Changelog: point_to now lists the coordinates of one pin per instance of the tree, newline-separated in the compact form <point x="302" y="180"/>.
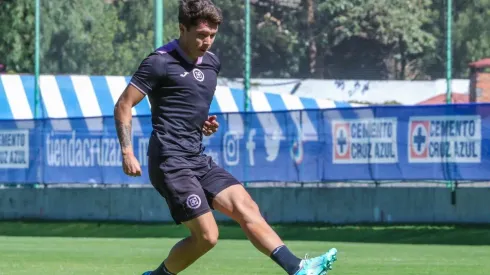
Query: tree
<point x="94" y="37"/>
<point x="389" y="34"/>
<point x="343" y="39"/>
<point x="274" y="35"/>
<point x="471" y="36"/>
<point x="17" y="35"/>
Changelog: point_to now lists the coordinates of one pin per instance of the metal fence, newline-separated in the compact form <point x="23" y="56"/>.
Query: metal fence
<point x="369" y="144"/>
<point x="289" y="39"/>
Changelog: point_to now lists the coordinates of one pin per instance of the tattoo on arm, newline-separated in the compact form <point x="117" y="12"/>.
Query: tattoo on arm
<point x="124" y="133"/>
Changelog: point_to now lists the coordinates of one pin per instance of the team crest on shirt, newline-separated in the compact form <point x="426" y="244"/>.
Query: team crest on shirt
<point x="198" y="75"/>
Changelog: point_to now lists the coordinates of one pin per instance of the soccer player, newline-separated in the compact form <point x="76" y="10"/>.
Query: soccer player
<point x="180" y="79"/>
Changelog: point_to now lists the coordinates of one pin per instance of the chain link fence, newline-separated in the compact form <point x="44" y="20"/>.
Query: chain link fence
<point x="290" y="39"/>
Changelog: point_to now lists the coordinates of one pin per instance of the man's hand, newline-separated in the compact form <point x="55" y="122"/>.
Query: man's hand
<point x="210" y="126"/>
<point x="131" y="165"/>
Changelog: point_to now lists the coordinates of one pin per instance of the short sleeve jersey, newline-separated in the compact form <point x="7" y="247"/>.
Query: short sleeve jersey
<point x="180" y="92"/>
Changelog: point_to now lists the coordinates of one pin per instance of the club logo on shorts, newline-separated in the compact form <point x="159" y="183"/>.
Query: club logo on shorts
<point x="193" y="201"/>
<point x="198" y="75"/>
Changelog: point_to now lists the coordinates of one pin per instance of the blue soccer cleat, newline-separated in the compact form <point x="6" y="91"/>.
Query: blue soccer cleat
<point x="318" y="265"/>
<point x="147" y="273"/>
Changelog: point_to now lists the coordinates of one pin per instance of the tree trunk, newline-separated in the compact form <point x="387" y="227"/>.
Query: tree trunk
<point x="312" y="50"/>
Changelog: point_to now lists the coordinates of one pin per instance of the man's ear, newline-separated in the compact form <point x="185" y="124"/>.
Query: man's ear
<point x="182" y="29"/>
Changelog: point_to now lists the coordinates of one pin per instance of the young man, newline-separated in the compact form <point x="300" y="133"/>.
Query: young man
<point x="180" y="79"/>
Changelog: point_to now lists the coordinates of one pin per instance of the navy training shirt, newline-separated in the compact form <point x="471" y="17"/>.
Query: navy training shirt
<point x="180" y="92"/>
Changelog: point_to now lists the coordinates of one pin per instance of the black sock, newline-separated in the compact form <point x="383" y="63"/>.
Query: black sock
<point x="162" y="270"/>
<point x="283" y="257"/>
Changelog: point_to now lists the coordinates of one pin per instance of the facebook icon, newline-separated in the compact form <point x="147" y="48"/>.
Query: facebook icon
<point x="251" y="146"/>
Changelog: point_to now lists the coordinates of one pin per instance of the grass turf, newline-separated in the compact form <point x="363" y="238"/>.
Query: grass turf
<point x="113" y="248"/>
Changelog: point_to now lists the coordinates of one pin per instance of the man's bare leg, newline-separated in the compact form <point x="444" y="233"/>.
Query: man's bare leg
<point x="204" y="236"/>
<point x="236" y="203"/>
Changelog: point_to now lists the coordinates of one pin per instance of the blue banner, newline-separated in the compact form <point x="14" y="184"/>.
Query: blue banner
<point x="409" y="143"/>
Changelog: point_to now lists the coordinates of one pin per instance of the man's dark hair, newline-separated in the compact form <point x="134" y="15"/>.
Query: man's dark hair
<point x="192" y="11"/>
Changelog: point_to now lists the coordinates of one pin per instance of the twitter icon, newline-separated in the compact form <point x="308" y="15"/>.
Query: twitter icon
<point x="272" y="145"/>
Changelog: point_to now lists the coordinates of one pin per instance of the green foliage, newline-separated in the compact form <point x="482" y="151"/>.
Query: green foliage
<point x="472" y="35"/>
<point x="361" y="39"/>
<point x="17" y="35"/>
<point x="77" y="36"/>
<point x="386" y="31"/>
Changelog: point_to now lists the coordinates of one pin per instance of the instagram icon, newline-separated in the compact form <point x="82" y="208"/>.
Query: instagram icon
<point x="231" y="149"/>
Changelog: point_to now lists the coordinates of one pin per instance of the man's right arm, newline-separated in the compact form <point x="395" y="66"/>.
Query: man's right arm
<point x="143" y="82"/>
<point x="123" y="118"/>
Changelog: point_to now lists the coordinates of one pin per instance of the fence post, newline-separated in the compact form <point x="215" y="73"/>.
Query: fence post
<point x="246" y="78"/>
<point x="37" y="56"/>
<point x="158" y="23"/>
<point x="450" y="184"/>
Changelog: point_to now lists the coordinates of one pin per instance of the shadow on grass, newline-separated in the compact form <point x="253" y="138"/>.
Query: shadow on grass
<point x="399" y="234"/>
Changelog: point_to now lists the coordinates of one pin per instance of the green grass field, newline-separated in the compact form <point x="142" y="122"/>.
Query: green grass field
<point x="119" y="249"/>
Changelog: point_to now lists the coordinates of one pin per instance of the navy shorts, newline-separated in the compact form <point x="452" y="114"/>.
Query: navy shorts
<point x="188" y="183"/>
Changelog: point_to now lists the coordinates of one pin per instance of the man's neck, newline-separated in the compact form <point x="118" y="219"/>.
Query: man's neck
<point x="186" y="50"/>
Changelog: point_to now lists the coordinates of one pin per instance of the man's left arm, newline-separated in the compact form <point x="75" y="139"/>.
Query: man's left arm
<point x="211" y="125"/>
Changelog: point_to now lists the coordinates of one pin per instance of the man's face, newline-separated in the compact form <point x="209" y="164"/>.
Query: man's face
<point x="198" y="39"/>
